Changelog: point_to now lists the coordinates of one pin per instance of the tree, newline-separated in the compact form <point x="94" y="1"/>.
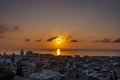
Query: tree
<point x="6" y="74"/>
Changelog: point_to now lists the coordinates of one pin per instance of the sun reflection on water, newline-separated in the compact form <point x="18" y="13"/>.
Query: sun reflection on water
<point x="58" y="52"/>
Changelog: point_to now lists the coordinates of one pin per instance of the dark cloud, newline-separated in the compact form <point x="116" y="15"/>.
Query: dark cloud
<point x="117" y="40"/>
<point x="105" y="40"/>
<point x="74" y="41"/>
<point x="52" y="38"/>
<point x="8" y="30"/>
<point x="27" y="40"/>
<point x="3" y="29"/>
<point x="16" y="29"/>
<point x="68" y="38"/>
<point x="39" y="40"/>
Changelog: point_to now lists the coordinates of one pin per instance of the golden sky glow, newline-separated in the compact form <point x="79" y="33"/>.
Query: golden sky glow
<point x="78" y="24"/>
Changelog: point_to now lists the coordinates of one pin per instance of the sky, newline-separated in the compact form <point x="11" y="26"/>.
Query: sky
<point x="76" y="24"/>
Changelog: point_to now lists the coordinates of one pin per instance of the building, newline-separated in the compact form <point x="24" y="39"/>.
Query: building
<point x="45" y="75"/>
<point x="22" y="52"/>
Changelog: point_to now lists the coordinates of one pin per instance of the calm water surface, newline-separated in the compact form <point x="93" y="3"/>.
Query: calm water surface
<point x="78" y="52"/>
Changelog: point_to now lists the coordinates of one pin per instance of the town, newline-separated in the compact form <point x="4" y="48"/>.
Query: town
<point x="36" y="66"/>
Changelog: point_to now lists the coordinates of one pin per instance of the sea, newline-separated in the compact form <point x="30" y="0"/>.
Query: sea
<point x="80" y="52"/>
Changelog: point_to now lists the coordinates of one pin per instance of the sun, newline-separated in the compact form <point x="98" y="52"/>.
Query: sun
<point x="58" y="40"/>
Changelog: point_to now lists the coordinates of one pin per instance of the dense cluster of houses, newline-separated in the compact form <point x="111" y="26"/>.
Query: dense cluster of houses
<point x="34" y="66"/>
